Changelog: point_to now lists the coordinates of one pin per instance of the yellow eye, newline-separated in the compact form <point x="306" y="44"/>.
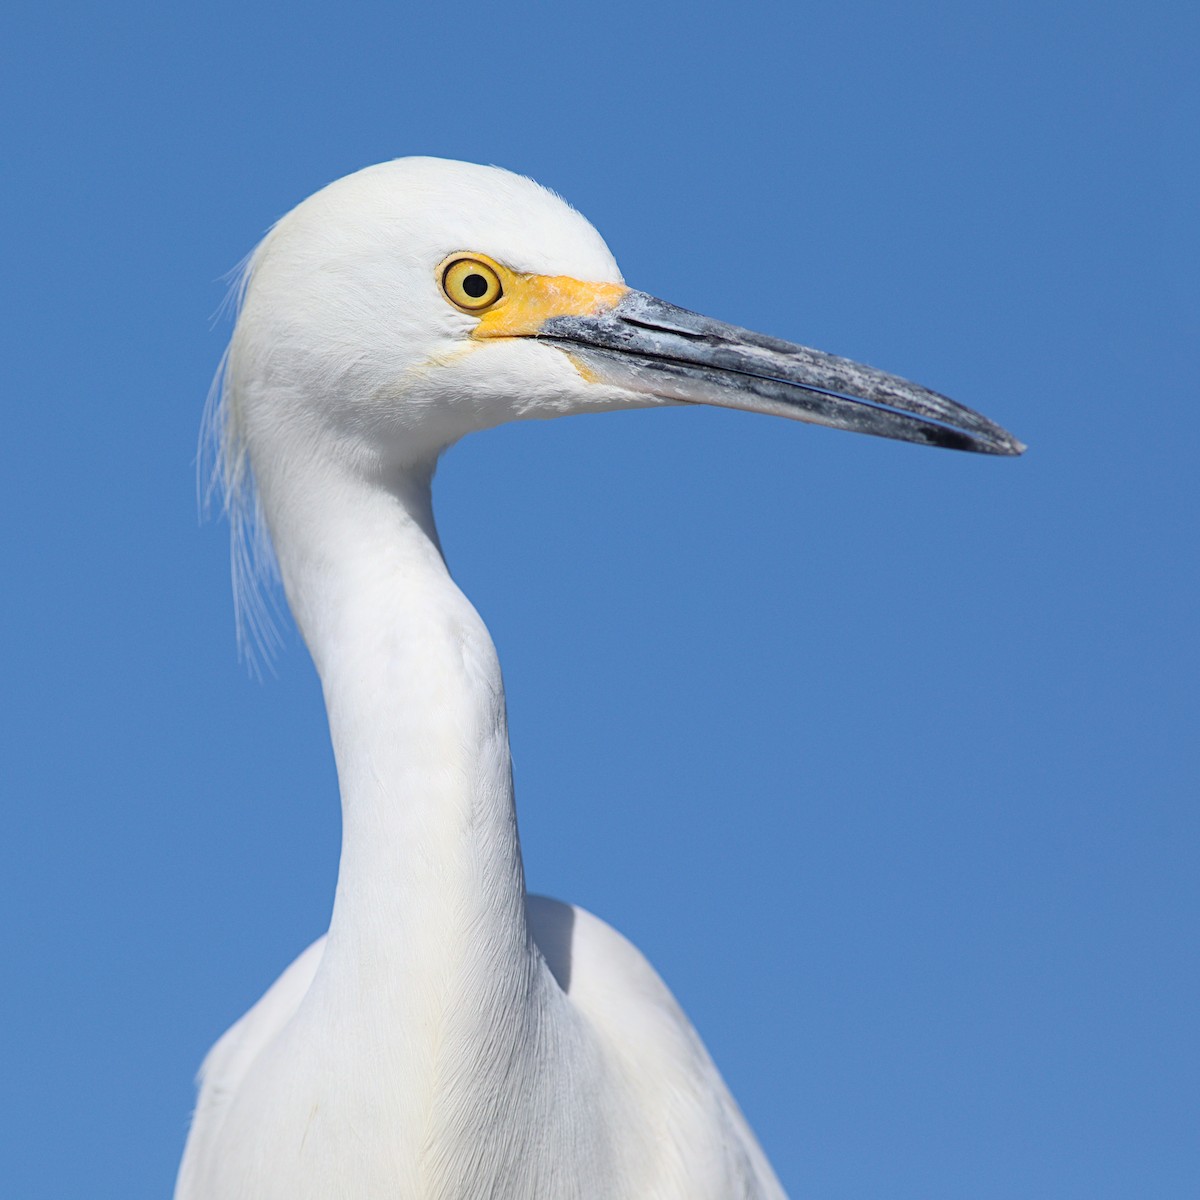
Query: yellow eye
<point x="471" y="283"/>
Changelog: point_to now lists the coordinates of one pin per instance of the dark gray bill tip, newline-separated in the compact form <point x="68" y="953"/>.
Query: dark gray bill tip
<point x="648" y="345"/>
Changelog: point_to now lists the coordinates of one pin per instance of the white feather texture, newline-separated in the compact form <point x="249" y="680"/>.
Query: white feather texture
<point x="451" y="1038"/>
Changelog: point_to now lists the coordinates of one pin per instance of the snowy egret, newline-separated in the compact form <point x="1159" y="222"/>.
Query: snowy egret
<point x="452" y="1036"/>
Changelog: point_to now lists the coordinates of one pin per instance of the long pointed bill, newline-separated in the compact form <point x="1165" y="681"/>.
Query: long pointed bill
<point x="637" y="342"/>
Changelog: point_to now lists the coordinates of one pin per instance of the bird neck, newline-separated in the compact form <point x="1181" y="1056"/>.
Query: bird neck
<point x="430" y="882"/>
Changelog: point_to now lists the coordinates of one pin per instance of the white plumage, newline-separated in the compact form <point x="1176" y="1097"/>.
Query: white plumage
<point x="450" y="1036"/>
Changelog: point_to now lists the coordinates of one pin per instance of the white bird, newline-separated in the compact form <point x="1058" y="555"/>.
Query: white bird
<point x="452" y="1036"/>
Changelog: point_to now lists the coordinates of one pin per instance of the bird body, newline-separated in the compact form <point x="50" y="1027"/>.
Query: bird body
<point x="451" y="1037"/>
<point x="426" y="1048"/>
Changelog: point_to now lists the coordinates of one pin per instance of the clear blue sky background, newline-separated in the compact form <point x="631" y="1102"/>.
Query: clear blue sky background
<point x="886" y="757"/>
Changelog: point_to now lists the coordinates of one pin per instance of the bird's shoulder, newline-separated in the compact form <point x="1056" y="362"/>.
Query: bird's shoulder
<point x="646" y="1033"/>
<point x="227" y="1063"/>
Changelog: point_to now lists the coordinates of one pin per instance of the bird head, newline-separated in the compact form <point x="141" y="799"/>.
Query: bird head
<point x="421" y="299"/>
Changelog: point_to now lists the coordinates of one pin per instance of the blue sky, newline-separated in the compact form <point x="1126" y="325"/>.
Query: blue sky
<point x="887" y="758"/>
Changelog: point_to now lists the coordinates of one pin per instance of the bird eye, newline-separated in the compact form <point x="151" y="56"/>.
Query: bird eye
<point x="471" y="284"/>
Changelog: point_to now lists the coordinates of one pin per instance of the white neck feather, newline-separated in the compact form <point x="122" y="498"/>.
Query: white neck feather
<point x="430" y="884"/>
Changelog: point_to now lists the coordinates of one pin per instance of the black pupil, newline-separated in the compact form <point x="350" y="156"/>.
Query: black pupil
<point x="475" y="286"/>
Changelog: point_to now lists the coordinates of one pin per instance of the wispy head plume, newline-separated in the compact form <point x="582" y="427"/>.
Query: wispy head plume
<point x="225" y="484"/>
